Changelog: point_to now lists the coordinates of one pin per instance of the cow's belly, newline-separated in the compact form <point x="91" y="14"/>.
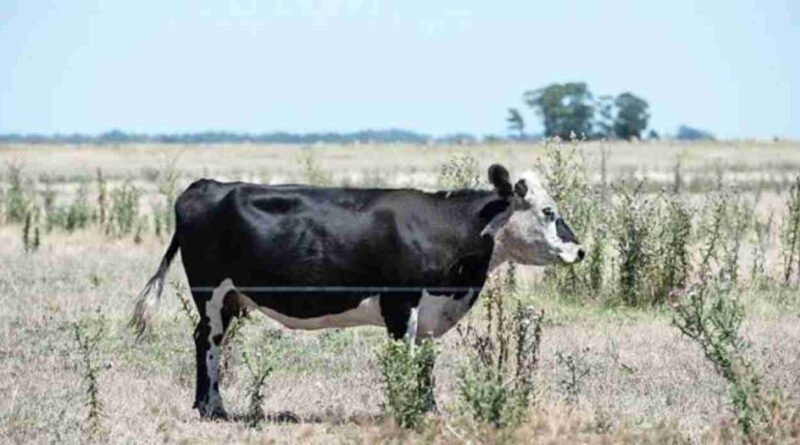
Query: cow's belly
<point x="367" y="313"/>
<point x="439" y="313"/>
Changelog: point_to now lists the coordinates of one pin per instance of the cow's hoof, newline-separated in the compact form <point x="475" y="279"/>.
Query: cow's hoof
<point x="212" y="412"/>
<point x="217" y="414"/>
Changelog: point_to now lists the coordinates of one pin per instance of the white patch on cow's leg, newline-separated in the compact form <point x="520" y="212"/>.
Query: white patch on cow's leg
<point x="411" y="326"/>
<point x="214" y="406"/>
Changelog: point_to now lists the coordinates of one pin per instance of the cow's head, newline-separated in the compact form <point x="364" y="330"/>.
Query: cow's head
<point x="530" y="230"/>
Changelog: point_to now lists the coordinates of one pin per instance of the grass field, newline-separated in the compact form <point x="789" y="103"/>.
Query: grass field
<point x="643" y="382"/>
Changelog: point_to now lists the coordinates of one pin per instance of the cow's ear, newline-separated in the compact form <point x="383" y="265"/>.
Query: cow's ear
<point x="498" y="176"/>
<point x="521" y="188"/>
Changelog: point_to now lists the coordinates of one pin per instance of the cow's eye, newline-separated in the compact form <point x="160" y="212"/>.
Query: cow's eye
<point x="548" y="212"/>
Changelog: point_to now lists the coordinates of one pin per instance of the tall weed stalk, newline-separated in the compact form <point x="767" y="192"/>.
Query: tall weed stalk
<point x="790" y="234"/>
<point x="88" y="339"/>
<point x="19" y="198"/>
<point x="673" y="251"/>
<point x="260" y="365"/>
<point x="496" y="386"/>
<point x="633" y="216"/>
<point x="124" y="216"/>
<point x="711" y="316"/>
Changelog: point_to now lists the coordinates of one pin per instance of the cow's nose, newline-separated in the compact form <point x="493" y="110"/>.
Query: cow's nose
<point x="581" y="254"/>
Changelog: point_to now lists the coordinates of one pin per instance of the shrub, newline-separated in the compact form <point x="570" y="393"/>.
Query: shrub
<point x="228" y="343"/>
<point x="712" y="231"/>
<point x="78" y="214"/>
<point x="18" y="196"/>
<point x="722" y="229"/>
<point x="164" y="218"/>
<point x="596" y="259"/>
<point x="673" y="248"/>
<point x="187" y="307"/>
<point x="88" y="338"/>
<point x="677" y="176"/>
<point x="30" y="231"/>
<point x="260" y="365"/>
<point x="496" y="385"/>
<point x="124" y="217"/>
<point x="102" y="198"/>
<point x="790" y="234"/>
<point x="576" y="371"/>
<point x="406" y="369"/>
<point x="737" y="223"/>
<point x="310" y="170"/>
<point x="460" y="171"/>
<point x="711" y="316"/>
<point x="632" y="219"/>
<point x="758" y="271"/>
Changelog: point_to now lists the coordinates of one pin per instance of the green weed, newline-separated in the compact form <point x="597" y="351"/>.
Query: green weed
<point x="496" y="386"/>
<point x="88" y="338"/>
<point x="459" y="172"/>
<point x="790" y="234"/>
<point x="711" y="316"/>
<point x="406" y="370"/>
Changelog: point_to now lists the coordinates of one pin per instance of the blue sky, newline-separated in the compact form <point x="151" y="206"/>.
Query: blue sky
<point x="436" y="67"/>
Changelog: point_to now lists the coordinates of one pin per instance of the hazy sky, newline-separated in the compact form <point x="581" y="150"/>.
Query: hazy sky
<point x="436" y="67"/>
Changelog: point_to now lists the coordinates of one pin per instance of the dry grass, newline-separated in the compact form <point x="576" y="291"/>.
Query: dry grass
<point x="406" y="164"/>
<point x="646" y="383"/>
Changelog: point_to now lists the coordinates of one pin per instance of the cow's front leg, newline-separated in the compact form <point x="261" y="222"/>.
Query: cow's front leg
<point x="402" y="322"/>
<point x="208" y="336"/>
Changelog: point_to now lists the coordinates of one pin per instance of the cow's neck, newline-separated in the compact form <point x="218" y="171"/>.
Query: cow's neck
<point x="475" y="241"/>
<point x="500" y="253"/>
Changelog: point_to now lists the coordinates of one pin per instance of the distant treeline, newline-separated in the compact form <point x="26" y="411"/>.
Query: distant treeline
<point x="228" y="137"/>
<point x="217" y="137"/>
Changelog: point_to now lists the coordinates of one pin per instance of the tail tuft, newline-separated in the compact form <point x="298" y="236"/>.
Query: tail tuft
<point x="148" y="299"/>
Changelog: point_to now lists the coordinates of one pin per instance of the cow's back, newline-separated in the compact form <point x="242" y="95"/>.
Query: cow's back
<point x="286" y="235"/>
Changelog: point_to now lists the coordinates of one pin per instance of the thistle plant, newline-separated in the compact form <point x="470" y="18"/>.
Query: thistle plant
<point x="496" y="386"/>
<point x="459" y="172"/>
<point x="709" y="315"/>
<point x="790" y="234"/>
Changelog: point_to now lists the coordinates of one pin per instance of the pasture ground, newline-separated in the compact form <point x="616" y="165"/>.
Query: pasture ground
<point x="645" y="382"/>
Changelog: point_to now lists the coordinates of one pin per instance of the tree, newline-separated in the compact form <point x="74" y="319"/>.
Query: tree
<point x="605" y="120"/>
<point x="632" y="116"/>
<point x="515" y="123"/>
<point x="688" y="133"/>
<point x="565" y="108"/>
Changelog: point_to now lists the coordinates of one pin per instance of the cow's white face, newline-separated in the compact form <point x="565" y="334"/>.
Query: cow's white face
<point x="534" y="232"/>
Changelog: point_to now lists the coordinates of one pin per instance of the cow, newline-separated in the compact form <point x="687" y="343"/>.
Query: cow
<point x="311" y="257"/>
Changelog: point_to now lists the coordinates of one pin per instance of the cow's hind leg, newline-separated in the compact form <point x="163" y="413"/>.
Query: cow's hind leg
<point x="215" y="316"/>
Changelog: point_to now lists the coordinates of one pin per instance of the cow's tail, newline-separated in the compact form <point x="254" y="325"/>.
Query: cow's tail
<point x="148" y="299"/>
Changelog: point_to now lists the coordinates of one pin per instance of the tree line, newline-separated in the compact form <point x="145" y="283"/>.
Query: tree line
<point x="570" y="110"/>
<point x="218" y="137"/>
<point x="566" y="110"/>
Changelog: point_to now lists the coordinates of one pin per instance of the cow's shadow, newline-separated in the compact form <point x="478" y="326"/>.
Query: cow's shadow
<point x="290" y="417"/>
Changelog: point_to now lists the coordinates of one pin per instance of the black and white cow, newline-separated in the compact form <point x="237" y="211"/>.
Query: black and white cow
<point x="313" y="257"/>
